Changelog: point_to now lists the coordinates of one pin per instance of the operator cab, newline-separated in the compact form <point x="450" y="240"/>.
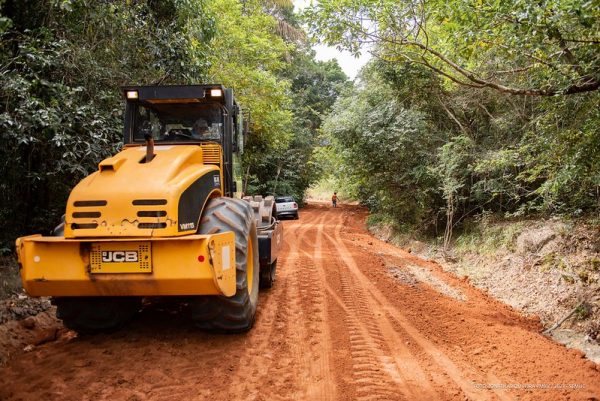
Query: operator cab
<point x="187" y="115"/>
<point x="181" y="113"/>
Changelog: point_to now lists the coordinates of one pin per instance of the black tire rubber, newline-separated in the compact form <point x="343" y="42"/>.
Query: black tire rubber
<point x="296" y="216"/>
<point x="230" y="314"/>
<point x="267" y="275"/>
<point x="89" y="315"/>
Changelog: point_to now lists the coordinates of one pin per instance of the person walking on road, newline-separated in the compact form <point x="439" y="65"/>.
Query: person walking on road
<point x="334" y="199"/>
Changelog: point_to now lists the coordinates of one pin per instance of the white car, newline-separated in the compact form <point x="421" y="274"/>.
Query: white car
<point x="286" y="206"/>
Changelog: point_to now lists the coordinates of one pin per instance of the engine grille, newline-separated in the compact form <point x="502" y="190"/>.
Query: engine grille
<point x="87" y="215"/>
<point x="83" y="217"/>
<point x="211" y="153"/>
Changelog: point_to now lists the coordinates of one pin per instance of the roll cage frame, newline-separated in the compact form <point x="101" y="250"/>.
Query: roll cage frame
<point x="234" y="131"/>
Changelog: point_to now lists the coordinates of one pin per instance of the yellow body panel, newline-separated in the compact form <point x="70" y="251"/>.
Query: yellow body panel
<point x="189" y="265"/>
<point x="104" y="203"/>
<point x="133" y="206"/>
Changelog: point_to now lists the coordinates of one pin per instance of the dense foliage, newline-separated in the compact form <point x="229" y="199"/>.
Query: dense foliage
<point x="546" y="47"/>
<point x="468" y="107"/>
<point x="453" y="117"/>
<point x="62" y="62"/>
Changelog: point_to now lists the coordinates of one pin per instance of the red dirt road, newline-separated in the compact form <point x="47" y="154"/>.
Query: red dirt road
<point x="350" y="318"/>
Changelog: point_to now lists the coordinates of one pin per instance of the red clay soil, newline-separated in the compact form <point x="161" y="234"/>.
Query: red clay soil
<point x="350" y="318"/>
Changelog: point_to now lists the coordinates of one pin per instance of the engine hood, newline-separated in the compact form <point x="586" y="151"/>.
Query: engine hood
<point x="128" y="197"/>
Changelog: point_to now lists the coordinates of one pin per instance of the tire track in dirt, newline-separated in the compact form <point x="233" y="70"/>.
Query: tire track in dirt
<point x="273" y="330"/>
<point x="336" y="326"/>
<point x="297" y="330"/>
<point x="374" y="349"/>
<point x="320" y="383"/>
<point x="375" y="300"/>
<point x="309" y="334"/>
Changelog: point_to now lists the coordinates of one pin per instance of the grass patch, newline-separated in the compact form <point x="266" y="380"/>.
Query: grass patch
<point x="377" y="219"/>
<point x="485" y="237"/>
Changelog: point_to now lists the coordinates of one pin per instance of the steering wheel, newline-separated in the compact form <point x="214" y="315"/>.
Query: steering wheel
<point x="179" y="133"/>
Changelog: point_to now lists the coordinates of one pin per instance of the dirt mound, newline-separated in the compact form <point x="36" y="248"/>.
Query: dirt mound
<point x="25" y="322"/>
<point x="20" y="336"/>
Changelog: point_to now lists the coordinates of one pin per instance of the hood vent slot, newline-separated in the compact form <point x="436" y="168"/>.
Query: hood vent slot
<point x="152" y="225"/>
<point x="90" y="203"/>
<point x="86" y="215"/>
<point x="87" y="226"/>
<point x="149" y="202"/>
<point x="152" y="213"/>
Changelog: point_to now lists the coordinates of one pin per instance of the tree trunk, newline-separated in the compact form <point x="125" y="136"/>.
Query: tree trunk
<point x="449" y="220"/>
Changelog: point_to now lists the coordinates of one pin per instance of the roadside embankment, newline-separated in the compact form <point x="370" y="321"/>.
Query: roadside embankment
<point x="548" y="268"/>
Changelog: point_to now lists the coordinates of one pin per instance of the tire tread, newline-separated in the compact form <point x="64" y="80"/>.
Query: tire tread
<point x="230" y="314"/>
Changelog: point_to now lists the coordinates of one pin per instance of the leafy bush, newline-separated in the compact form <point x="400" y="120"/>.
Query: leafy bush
<point x="62" y="64"/>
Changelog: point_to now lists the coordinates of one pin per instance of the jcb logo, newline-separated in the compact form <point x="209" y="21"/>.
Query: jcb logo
<point x="119" y="256"/>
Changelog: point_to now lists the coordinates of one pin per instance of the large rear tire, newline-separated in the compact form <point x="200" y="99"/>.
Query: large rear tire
<point x="231" y="314"/>
<point x="88" y="315"/>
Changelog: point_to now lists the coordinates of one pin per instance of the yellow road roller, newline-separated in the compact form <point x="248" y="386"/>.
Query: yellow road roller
<point x="162" y="218"/>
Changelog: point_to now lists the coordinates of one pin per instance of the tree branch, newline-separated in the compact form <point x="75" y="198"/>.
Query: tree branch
<point x="453" y="117"/>
<point x="590" y="84"/>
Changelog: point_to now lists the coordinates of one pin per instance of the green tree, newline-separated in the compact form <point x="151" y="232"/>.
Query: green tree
<point x="508" y="93"/>
<point x="61" y="65"/>
<point x="386" y="150"/>
<point x="315" y="85"/>
<point x="519" y="47"/>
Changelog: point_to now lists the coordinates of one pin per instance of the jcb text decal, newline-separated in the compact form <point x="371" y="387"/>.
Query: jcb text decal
<point x="119" y="256"/>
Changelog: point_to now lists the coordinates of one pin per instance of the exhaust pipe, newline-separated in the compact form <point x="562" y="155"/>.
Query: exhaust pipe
<point x="149" y="148"/>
